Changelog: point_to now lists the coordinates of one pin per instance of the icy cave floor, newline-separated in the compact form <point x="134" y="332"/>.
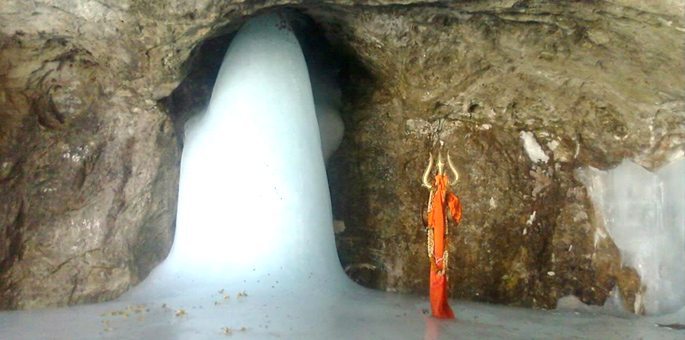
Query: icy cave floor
<point x="350" y="313"/>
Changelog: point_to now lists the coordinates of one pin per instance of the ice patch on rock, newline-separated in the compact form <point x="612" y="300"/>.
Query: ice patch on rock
<point x="643" y="212"/>
<point x="533" y="148"/>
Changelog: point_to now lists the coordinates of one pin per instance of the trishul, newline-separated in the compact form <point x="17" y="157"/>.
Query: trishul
<point x="438" y="233"/>
<point x="441" y="170"/>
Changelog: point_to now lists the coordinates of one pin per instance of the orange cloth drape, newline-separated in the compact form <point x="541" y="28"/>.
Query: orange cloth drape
<point x="437" y="221"/>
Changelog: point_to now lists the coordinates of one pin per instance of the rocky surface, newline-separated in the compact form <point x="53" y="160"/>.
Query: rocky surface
<point x="89" y="129"/>
<point x="87" y="191"/>
<point x="521" y="97"/>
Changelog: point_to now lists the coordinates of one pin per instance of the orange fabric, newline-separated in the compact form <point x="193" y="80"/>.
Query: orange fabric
<point x="436" y="220"/>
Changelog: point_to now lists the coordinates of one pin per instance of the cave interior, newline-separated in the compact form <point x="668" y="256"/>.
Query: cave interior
<point x="567" y="131"/>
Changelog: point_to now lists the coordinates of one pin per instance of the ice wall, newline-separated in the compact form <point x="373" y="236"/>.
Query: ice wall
<point x="672" y="183"/>
<point x="643" y="213"/>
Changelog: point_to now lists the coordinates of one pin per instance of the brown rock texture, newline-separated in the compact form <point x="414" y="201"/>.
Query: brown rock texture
<point x="581" y="81"/>
<point x="90" y="147"/>
<point x="87" y="193"/>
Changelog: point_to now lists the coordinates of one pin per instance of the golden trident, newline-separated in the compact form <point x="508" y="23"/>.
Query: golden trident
<point x="441" y="170"/>
<point x="428" y="185"/>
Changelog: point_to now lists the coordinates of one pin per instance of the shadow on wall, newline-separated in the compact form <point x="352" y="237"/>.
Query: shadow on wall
<point x="192" y="95"/>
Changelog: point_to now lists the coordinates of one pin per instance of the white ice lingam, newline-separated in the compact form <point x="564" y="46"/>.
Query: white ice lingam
<point x="253" y="191"/>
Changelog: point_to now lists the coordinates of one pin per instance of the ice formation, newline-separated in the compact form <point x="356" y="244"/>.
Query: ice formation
<point x="327" y="102"/>
<point x="533" y="148"/>
<point x="254" y="255"/>
<point x="253" y="191"/>
<point x="643" y="213"/>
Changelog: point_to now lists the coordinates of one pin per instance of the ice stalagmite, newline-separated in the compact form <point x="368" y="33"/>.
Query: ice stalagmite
<point x="253" y="194"/>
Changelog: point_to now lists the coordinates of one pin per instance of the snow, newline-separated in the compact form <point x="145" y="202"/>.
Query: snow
<point x="643" y="213"/>
<point x="531" y="219"/>
<point x="254" y="217"/>
<point x="533" y="149"/>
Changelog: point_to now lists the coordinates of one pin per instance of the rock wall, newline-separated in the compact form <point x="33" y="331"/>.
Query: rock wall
<point x="89" y="145"/>
<point x="521" y="96"/>
<point x="89" y="173"/>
